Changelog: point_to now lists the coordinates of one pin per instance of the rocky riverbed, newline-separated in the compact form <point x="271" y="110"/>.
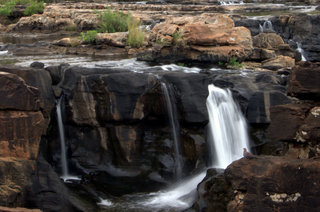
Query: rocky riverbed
<point x="135" y="120"/>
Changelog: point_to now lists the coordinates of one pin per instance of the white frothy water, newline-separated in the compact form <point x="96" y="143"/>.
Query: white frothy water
<point x="178" y="196"/>
<point x="228" y="128"/>
<point x="174" y="126"/>
<point x="64" y="165"/>
<point x="299" y="49"/>
<point x="234" y="2"/>
<point x="3" y="52"/>
<point x="267" y="26"/>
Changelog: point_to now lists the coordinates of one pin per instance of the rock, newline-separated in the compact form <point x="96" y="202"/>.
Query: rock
<point x="278" y="62"/>
<point x="302" y="28"/>
<point x="213" y="192"/>
<point x="269" y="186"/>
<point x="16" y="94"/>
<point x="68" y="42"/>
<point x="37" y="65"/>
<point x="208" y="39"/>
<point x="304" y="81"/>
<point x="15" y="181"/>
<point x="48" y="191"/>
<point x="57" y="72"/>
<point x="22" y="135"/>
<point x="262" y="184"/>
<point x="310" y="130"/>
<point x="5" y="209"/>
<point x="285" y="121"/>
<point x="40" y="79"/>
<point x="117" y="39"/>
<point x="267" y="41"/>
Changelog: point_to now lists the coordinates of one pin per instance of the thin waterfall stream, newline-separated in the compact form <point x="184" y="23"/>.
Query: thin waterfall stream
<point x="172" y="113"/>
<point x="64" y="163"/>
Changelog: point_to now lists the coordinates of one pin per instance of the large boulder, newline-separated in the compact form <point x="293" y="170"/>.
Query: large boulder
<point x="203" y="38"/>
<point x="304" y="81"/>
<point x="261" y="184"/>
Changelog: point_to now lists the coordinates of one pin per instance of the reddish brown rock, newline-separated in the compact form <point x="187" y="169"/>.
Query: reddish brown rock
<point x="278" y="62"/>
<point x="262" y="184"/>
<point x="15" y="181"/>
<point x="21" y="133"/>
<point x="202" y="38"/>
<point x="305" y="81"/>
<point x="16" y="94"/>
<point x="5" y="209"/>
<point x="285" y="121"/>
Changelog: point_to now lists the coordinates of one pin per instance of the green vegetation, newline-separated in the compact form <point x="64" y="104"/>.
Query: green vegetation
<point x="33" y="7"/>
<point x="135" y="35"/>
<point x="234" y="63"/>
<point x="113" y="21"/>
<point x="8" y="61"/>
<point x="71" y="28"/>
<point x="177" y="38"/>
<point x="89" y="36"/>
<point x="181" y="64"/>
<point x="7" y="8"/>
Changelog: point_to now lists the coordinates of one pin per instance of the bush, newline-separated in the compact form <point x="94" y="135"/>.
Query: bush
<point x="177" y="38"/>
<point x="136" y="34"/>
<point x="89" y="36"/>
<point x="113" y="21"/>
<point x="7" y="8"/>
<point x="34" y="7"/>
<point x="234" y="63"/>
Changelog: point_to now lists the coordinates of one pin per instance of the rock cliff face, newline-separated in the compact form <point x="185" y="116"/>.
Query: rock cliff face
<point x="22" y="125"/>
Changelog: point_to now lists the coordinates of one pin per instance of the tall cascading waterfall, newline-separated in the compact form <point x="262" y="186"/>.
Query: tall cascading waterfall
<point x="172" y="115"/>
<point x="228" y="129"/>
<point x="64" y="163"/>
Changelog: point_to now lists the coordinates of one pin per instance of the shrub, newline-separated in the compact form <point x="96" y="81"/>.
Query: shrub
<point x="89" y="36"/>
<point x="234" y="63"/>
<point x="136" y="34"/>
<point x="7" y="8"/>
<point x="113" y="21"/>
<point x="34" y="7"/>
<point x="177" y="38"/>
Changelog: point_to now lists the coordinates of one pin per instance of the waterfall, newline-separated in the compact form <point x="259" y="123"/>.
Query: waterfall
<point x="266" y="27"/>
<point x="229" y="133"/>
<point x="64" y="164"/>
<point x="228" y="130"/>
<point x="172" y="111"/>
<point x="299" y="49"/>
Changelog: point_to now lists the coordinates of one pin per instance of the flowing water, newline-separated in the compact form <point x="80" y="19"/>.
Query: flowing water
<point x="228" y="130"/>
<point x="299" y="49"/>
<point x="64" y="163"/>
<point x="266" y="27"/>
<point x="228" y="136"/>
<point x="172" y="114"/>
